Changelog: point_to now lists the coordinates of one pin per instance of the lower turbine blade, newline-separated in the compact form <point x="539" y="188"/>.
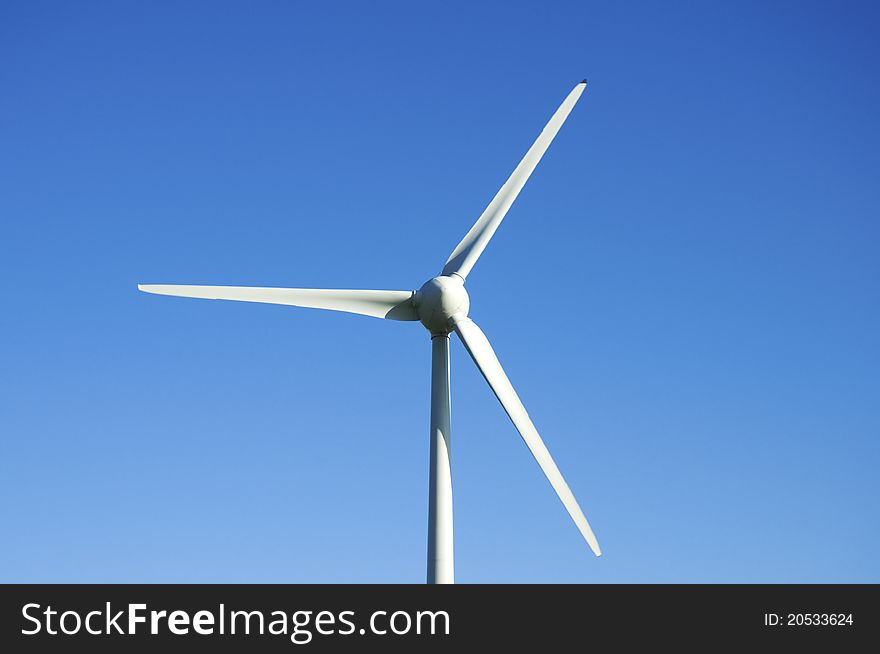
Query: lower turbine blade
<point x="481" y="352"/>
<point x="392" y="305"/>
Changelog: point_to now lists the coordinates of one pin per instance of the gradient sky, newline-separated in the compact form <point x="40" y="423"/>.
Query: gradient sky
<point x="685" y="294"/>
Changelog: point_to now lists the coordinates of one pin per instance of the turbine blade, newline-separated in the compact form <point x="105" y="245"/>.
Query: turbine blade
<point x="475" y="241"/>
<point x="481" y="352"/>
<point x="393" y="305"/>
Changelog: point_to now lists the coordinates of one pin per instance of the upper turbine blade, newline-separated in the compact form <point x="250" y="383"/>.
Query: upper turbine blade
<point x="393" y="305"/>
<point x="481" y="351"/>
<point x="472" y="245"/>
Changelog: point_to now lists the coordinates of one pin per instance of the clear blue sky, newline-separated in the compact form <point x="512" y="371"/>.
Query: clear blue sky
<point x="685" y="294"/>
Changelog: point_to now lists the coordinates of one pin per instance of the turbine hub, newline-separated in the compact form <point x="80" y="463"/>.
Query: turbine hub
<point x="438" y="300"/>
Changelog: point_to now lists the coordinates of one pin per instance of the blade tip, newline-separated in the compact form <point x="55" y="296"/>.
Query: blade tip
<point x="584" y="81"/>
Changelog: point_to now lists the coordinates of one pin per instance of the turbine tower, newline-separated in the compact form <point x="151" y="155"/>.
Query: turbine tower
<point x="441" y="305"/>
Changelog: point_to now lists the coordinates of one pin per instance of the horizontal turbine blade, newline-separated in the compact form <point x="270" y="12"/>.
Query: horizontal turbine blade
<point x="481" y="352"/>
<point x="393" y="305"/>
<point x="475" y="241"/>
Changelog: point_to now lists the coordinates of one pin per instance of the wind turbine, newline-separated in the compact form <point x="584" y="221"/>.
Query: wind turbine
<point x="441" y="305"/>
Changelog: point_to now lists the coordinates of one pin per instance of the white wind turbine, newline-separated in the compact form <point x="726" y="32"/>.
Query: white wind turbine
<point x="441" y="305"/>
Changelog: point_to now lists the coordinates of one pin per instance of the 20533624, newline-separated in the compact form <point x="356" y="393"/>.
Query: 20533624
<point x="808" y="619"/>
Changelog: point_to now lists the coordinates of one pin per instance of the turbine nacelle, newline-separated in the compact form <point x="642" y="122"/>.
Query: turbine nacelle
<point x="438" y="300"/>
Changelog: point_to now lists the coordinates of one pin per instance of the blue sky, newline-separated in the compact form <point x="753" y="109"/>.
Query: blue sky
<point x="685" y="294"/>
